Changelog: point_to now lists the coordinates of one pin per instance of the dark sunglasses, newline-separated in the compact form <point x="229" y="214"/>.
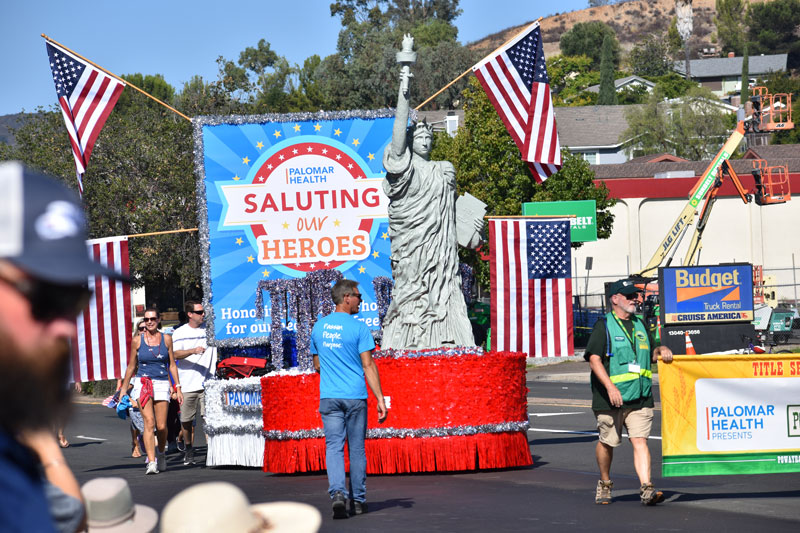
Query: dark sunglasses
<point x="200" y="312"/>
<point x="141" y="328"/>
<point x="356" y="296"/>
<point x="634" y="296"/>
<point x="50" y="301"/>
<point x="150" y="319"/>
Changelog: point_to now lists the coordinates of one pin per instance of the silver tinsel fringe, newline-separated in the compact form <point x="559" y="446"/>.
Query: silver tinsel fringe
<point x="454" y="351"/>
<point x="401" y="433"/>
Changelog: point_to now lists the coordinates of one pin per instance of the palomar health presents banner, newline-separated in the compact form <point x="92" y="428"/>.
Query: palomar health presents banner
<point x="725" y="414"/>
<point x="284" y="196"/>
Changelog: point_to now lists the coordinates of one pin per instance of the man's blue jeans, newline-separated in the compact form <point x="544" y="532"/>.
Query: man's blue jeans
<point x="345" y="419"/>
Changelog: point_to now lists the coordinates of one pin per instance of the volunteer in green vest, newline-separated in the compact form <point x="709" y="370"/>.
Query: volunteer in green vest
<point x="620" y="355"/>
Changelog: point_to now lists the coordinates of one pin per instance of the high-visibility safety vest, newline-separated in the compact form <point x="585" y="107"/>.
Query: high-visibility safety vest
<point x="628" y="358"/>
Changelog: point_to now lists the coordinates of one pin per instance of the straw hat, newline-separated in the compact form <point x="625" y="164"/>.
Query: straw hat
<point x="221" y="506"/>
<point x="110" y="508"/>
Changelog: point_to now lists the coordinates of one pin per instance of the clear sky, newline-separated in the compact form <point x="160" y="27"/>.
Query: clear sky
<point x="179" y="38"/>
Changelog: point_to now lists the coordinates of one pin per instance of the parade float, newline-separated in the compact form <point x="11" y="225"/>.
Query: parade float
<point x="289" y="204"/>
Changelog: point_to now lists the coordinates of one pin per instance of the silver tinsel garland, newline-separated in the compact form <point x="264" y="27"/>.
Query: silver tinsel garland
<point x="403" y="433"/>
<point x="455" y="351"/>
<point x="306" y="298"/>
<point x="382" y="285"/>
<point x="221" y="420"/>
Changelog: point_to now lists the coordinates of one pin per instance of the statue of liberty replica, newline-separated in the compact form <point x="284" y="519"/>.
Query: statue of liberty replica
<point x="427" y="308"/>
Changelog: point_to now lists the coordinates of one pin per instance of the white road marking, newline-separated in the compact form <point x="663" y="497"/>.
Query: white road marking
<point x="555" y="414"/>
<point x="90" y="438"/>
<point x="544" y="430"/>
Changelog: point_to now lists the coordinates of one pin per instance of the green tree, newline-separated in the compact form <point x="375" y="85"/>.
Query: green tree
<point x="363" y="73"/>
<point x="773" y="28"/>
<point x="586" y="38"/>
<point x="632" y="94"/>
<point x="652" y="56"/>
<point x="673" y="85"/>
<point x="489" y="166"/>
<point x="730" y="21"/>
<point x="692" y="127"/>
<point x="745" y="90"/>
<point x="569" y="78"/>
<point x="608" y="92"/>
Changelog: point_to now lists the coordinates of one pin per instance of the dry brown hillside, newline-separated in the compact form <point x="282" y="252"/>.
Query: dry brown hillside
<point x="630" y="20"/>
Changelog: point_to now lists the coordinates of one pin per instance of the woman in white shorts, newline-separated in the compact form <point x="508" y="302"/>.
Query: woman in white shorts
<point x="151" y="351"/>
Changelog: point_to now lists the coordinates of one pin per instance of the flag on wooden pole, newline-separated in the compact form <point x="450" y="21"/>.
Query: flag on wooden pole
<point x="515" y="80"/>
<point x="531" y="286"/>
<point x="86" y="97"/>
<point x="102" y="347"/>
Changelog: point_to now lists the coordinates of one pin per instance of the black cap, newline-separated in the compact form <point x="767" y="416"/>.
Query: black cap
<point x="623" y="286"/>
<point x="44" y="228"/>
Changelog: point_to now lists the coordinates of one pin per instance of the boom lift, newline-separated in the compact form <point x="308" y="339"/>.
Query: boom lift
<point x="770" y="113"/>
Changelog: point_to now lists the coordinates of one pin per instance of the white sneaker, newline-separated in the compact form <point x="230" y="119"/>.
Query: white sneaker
<point x="161" y="458"/>
<point x="152" y="468"/>
<point x="188" y="458"/>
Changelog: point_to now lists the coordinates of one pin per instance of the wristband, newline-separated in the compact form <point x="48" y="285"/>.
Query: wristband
<point x="178" y="386"/>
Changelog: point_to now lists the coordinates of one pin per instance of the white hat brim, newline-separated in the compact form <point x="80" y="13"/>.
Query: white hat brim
<point x="289" y="517"/>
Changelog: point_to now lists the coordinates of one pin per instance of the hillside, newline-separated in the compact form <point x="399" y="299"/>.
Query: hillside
<point x="7" y="124"/>
<point x="630" y="20"/>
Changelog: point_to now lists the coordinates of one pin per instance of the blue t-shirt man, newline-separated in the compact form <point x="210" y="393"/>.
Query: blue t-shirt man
<point x="342" y="348"/>
<point x="339" y="339"/>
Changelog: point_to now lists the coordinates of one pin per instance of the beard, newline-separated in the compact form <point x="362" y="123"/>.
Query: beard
<point x="33" y="384"/>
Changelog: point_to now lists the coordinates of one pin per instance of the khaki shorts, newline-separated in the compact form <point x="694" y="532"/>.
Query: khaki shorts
<point x="191" y="401"/>
<point x="638" y="422"/>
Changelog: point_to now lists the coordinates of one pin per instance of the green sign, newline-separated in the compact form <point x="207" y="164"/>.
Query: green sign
<point x="583" y="223"/>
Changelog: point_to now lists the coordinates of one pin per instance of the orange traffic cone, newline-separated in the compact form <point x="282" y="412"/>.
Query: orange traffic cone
<point x="689" y="345"/>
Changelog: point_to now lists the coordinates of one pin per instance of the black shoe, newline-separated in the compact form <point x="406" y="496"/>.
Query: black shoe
<point x="359" y="507"/>
<point x="339" y="506"/>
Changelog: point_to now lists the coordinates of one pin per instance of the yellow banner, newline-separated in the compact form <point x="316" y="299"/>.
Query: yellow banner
<point x="724" y="414"/>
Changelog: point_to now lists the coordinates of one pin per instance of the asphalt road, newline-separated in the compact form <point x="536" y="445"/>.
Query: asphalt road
<point x="557" y="493"/>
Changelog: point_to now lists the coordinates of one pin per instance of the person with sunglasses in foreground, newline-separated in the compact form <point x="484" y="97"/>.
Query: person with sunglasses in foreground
<point x="619" y="353"/>
<point x="196" y="363"/>
<point x="44" y="270"/>
<point x="153" y="362"/>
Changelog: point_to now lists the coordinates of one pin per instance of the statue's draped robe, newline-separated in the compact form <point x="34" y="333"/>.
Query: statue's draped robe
<point x="427" y="308"/>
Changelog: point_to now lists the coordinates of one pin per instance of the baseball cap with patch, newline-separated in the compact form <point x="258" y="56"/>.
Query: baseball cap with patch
<point x="623" y="286"/>
<point x="44" y="228"/>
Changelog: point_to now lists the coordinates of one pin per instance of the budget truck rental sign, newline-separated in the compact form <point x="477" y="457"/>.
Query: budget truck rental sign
<point x="725" y="414"/>
<point x="715" y="293"/>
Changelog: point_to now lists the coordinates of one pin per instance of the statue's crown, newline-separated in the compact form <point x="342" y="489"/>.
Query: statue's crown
<point x="422" y="127"/>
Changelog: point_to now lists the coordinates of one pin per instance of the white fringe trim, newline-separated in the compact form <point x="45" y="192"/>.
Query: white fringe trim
<point x="239" y="450"/>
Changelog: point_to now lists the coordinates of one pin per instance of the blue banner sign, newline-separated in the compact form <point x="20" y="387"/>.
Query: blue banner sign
<point x="284" y="196"/>
<point x="718" y="293"/>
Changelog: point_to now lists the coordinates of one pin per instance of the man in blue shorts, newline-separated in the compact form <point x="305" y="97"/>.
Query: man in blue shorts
<point x="342" y="348"/>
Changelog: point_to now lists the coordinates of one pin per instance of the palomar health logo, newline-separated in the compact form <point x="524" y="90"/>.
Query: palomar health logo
<point x="309" y="205"/>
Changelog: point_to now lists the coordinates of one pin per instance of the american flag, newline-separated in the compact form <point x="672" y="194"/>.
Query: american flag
<point x="515" y="79"/>
<point x="531" y="286"/>
<point x="102" y="347"/>
<point x="86" y="97"/>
